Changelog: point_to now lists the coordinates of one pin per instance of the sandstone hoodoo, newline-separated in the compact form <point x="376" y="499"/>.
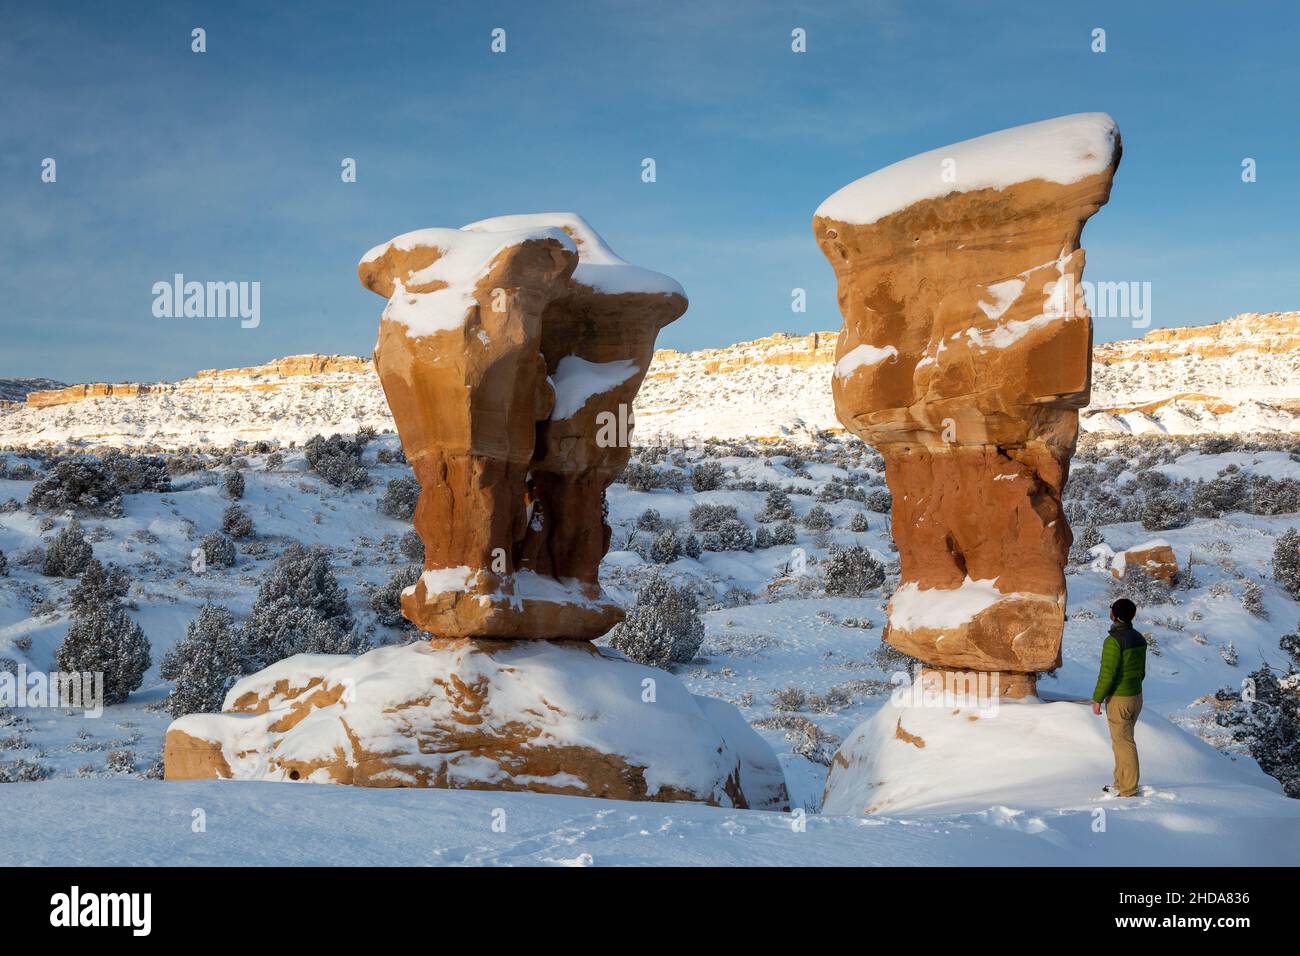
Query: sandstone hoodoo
<point x="510" y="352"/>
<point x="964" y="359"/>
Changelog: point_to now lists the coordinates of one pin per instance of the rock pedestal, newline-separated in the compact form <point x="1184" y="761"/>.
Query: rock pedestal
<point x="544" y="716"/>
<point x="964" y="359"/>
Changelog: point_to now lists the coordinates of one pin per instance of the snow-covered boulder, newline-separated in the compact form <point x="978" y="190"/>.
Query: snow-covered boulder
<point x="544" y="716"/>
<point x="1154" y="558"/>
<point x="921" y="756"/>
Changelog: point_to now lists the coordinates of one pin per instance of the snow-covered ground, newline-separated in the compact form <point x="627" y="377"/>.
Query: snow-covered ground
<point x="131" y="822"/>
<point x="804" y="668"/>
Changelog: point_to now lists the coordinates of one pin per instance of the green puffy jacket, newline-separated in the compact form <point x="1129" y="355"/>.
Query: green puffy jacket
<point x="1123" y="663"/>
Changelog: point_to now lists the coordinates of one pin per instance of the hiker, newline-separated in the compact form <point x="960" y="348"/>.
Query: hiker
<point x="1123" y="665"/>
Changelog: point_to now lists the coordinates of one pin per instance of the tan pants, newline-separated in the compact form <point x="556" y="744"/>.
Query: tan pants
<point x="1121" y="715"/>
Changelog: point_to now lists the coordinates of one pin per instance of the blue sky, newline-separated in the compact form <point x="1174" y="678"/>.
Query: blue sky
<point x="225" y="165"/>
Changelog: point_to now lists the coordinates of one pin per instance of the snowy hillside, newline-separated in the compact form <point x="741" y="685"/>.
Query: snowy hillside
<point x="1238" y="377"/>
<point x="805" y="667"/>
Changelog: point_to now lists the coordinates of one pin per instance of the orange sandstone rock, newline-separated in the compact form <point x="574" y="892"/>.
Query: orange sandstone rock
<point x="964" y="359"/>
<point x="1155" y="559"/>
<point x="510" y="353"/>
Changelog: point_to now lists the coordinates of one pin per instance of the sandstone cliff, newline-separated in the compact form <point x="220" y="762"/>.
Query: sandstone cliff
<point x="1237" y="376"/>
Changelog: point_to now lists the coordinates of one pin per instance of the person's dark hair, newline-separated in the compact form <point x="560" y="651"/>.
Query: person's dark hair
<point x="1124" y="610"/>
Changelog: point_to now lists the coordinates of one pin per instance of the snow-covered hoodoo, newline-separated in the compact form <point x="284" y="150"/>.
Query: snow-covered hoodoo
<point x="965" y="359"/>
<point x="510" y="353"/>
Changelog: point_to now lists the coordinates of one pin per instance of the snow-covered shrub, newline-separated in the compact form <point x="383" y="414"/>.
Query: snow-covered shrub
<point x="218" y="550"/>
<point x="1224" y="493"/>
<point x="783" y="533"/>
<point x="204" y="664"/>
<point x="21" y="471"/>
<point x="391" y="457"/>
<point x="762" y="538"/>
<point x="1164" y="511"/>
<point x="706" y="476"/>
<point x="654" y="454"/>
<point x="736" y="596"/>
<point x="1140" y="588"/>
<point x="859" y="522"/>
<point x="1286" y="561"/>
<point x="665" y="548"/>
<point x="810" y="741"/>
<point x="103" y="639"/>
<point x="831" y="491"/>
<point x="23" y="771"/>
<point x="818" y="519"/>
<point x="386" y="602"/>
<point x="1219" y="445"/>
<point x="4" y="565"/>
<point x="337" y="460"/>
<point x="82" y="483"/>
<point x="278" y="630"/>
<point x="638" y="476"/>
<point x="1229" y="653"/>
<point x="1252" y="599"/>
<point x="412" y="547"/>
<point x="691" y="546"/>
<point x="99" y="585"/>
<point x="1273" y="496"/>
<point x="233" y="483"/>
<point x="300" y="609"/>
<point x="303" y="577"/>
<point x="649" y="520"/>
<point x="711" y="517"/>
<point x="120" y="761"/>
<point x="68" y="554"/>
<point x="400" y="497"/>
<point x="731" y="535"/>
<point x="236" y="522"/>
<point x="879" y="501"/>
<point x="776" y="507"/>
<point x="1087" y="539"/>
<point x="139" y="473"/>
<point x="1268" y="724"/>
<point x="789" y="698"/>
<point x="184" y="464"/>
<point x="663" y="627"/>
<point x="850" y="572"/>
<point x="1290" y="645"/>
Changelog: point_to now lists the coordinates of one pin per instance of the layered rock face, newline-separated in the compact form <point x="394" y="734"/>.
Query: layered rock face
<point x="510" y="353"/>
<point x="964" y="359"/>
